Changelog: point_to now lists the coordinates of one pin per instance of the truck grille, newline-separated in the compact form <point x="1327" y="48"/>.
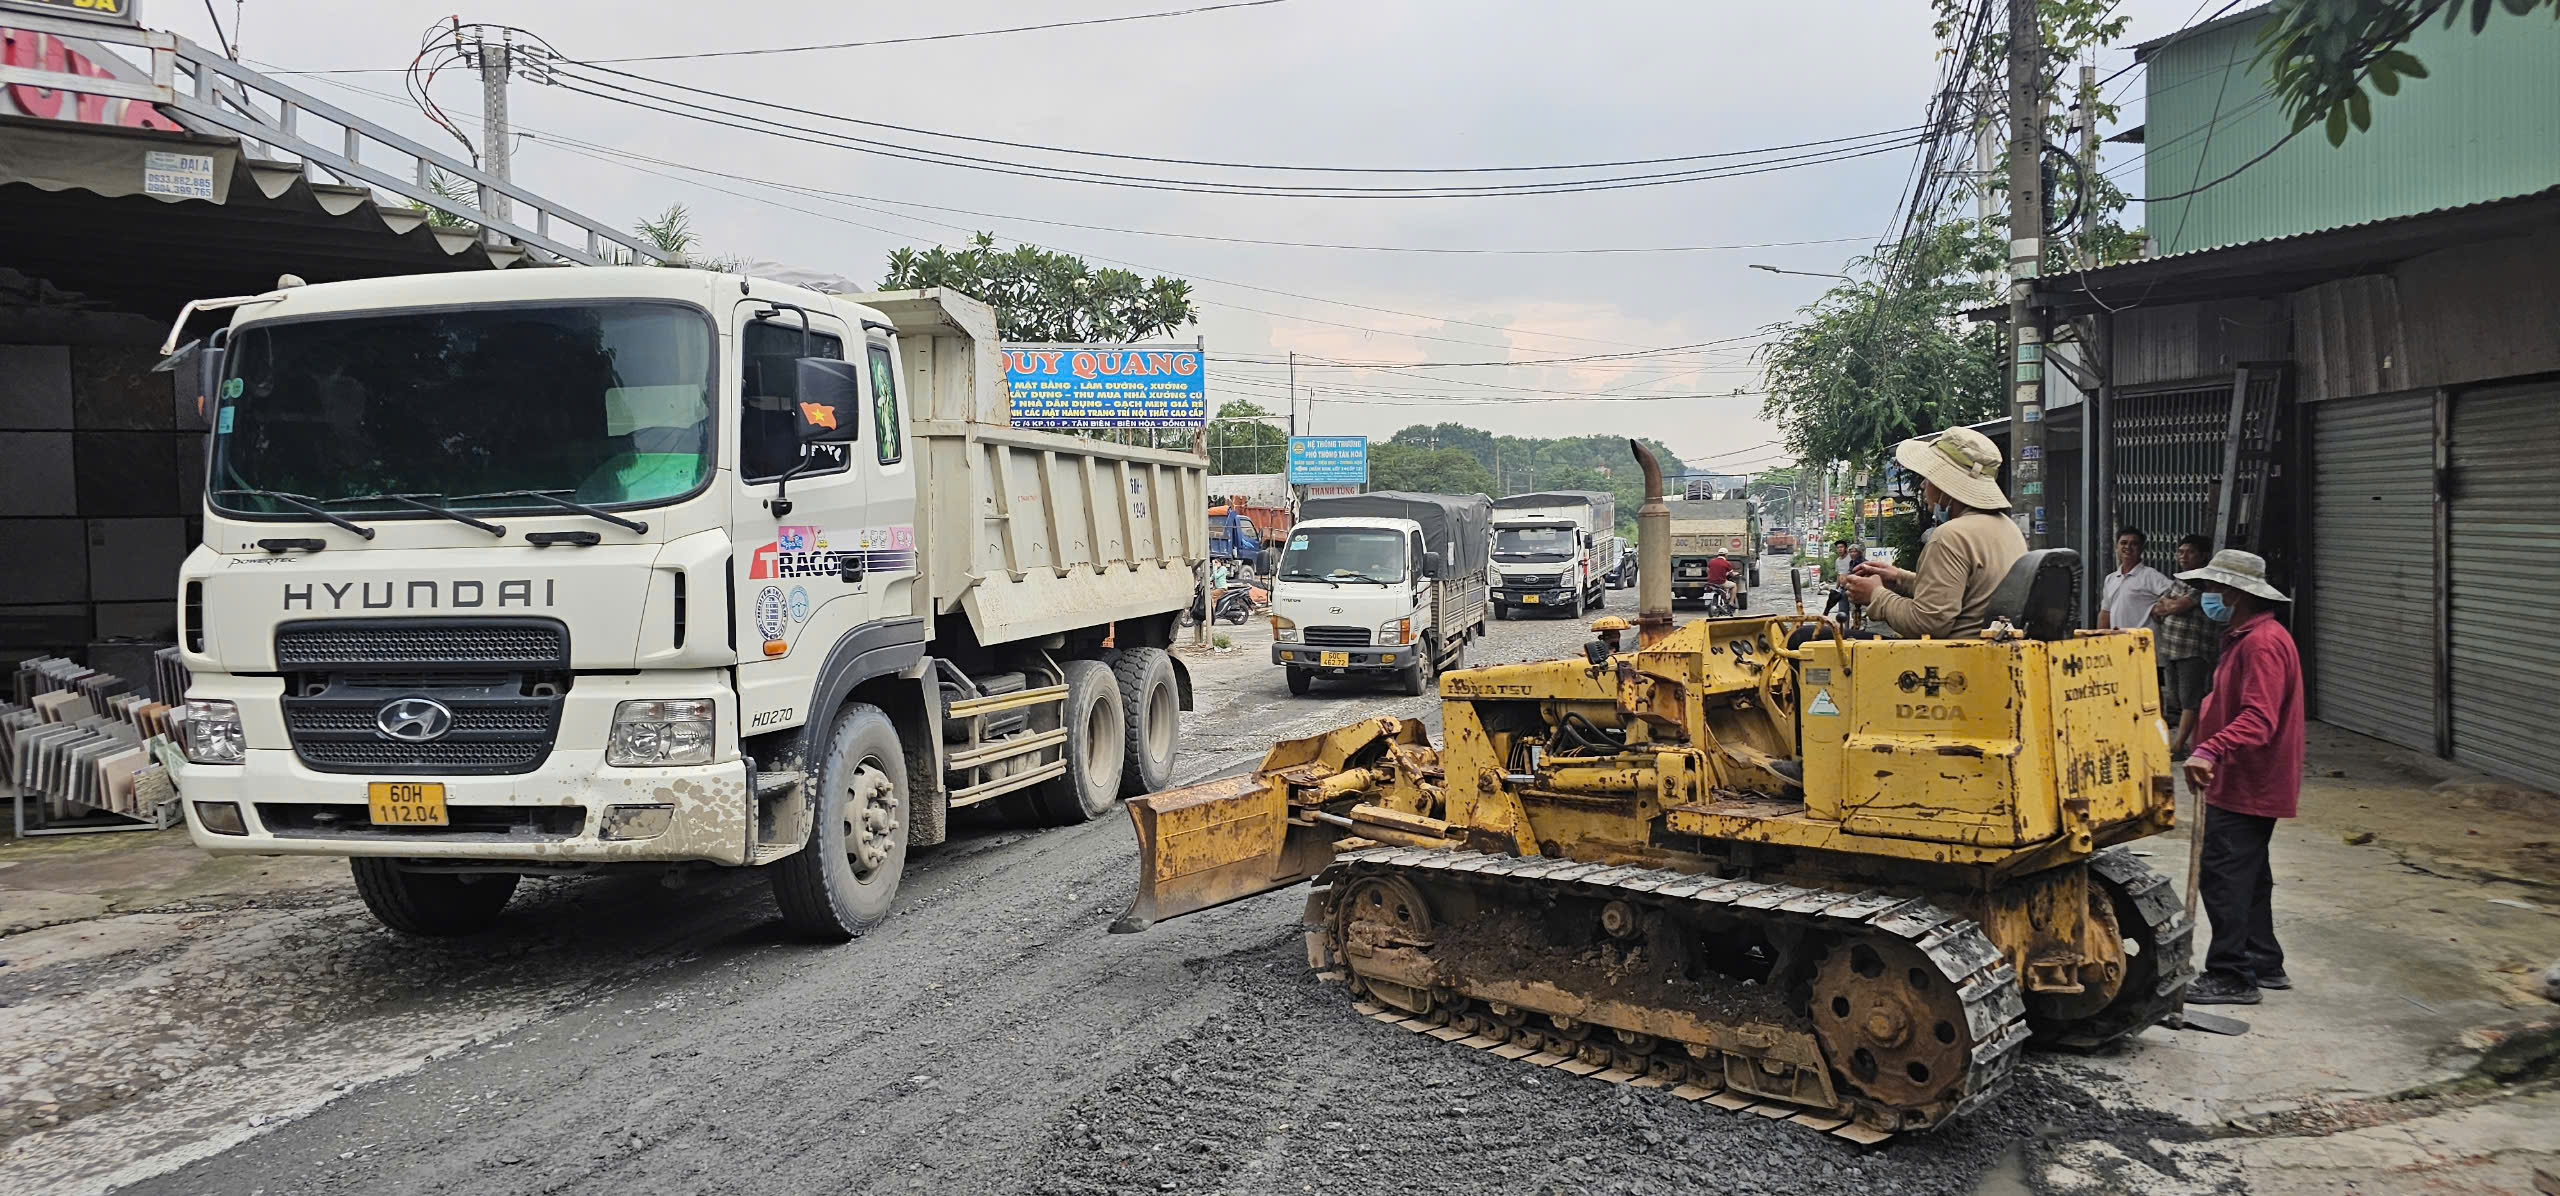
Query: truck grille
<point x="1523" y="582"/>
<point x="336" y="731"/>
<point x="491" y="643"/>
<point x="500" y="683"/>
<point x="1338" y="637"/>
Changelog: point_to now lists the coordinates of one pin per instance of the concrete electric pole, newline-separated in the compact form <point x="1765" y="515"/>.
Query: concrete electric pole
<point x="2026" y="259"/>
<point x="496" y="59"/>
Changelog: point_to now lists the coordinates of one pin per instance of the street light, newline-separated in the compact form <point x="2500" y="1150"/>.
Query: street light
<point x="1806" y="273"/>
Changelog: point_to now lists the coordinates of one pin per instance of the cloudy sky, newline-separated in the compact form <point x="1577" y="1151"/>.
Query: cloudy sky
<point x="1352" y="83"/>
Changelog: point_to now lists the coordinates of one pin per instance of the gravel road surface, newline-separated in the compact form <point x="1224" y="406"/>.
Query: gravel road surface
<point x="618" y="1036"/>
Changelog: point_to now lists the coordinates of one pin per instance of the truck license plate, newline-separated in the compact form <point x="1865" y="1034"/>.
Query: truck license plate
<point x="1530" y="599"/>
<point x="1335" y="660"/>
<point x="407" y="803"/>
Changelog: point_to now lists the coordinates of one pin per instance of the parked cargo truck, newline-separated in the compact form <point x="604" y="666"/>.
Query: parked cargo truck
<point x="1556" y="550"/>
<point x="545" y="571"/>
<point x="1387" y="585"/>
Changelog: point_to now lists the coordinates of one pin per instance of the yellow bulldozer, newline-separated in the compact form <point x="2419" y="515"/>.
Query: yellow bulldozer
<point x="1835" y="879"/>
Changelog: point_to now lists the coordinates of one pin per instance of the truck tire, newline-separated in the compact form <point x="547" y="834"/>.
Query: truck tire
<point x="436" y="905"/>
<point x="1301" y="682"/>
<point x="1096" y="745"/>
<point x="1153" y="704"/>
<point x="844" y="881"/>
<point x="1417" y="680"/>
<point x="1501" y="613"/>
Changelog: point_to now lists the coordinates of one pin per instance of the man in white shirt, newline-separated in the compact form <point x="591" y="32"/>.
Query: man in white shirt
<point x="2125" y="604"/>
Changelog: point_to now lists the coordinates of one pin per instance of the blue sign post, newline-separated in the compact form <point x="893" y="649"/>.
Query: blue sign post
<point x="1092" y="386"/>
<point x="1328" y="460"/>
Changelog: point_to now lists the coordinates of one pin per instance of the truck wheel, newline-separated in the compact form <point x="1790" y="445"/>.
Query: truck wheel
<point x="438" y="905"/>
<point x="1154" y="708"/>
<point x="1096" y="741"/>
<point x="842" y="883"/>
<point x="1501" y="613"/>
<point x="1301" y="682"/>
<point x="1417" y="679"/>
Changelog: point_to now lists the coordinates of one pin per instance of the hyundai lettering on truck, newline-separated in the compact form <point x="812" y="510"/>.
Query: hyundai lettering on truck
<point x="553" y="571"/>
<point x="1382" y="586"/>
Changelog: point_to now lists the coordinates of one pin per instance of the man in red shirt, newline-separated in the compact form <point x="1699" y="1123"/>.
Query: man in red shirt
<point x="2247" y="763"/>
<point x="1720" y="575"/>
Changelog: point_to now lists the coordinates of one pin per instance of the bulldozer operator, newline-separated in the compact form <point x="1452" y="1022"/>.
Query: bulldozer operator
<point x="1975" y="544"/>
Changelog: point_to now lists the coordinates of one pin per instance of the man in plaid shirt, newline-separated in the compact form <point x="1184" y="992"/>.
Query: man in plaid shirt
<point x="2187" y="641"/>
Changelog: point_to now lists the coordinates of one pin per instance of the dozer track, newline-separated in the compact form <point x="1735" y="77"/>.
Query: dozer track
<point x="1859" y="1013"/>
<point x="2156" y="986"/>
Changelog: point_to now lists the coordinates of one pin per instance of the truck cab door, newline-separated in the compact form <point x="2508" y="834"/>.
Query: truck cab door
<point x="797" y="508"/>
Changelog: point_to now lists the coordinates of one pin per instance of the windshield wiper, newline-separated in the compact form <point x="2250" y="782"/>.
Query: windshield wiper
<point x="305" y="502"/>
<point x="1375" y="581"/>
<point x="1311" y="577"/>
<point x="553" y="497"/>
<point x="419" y="501"/>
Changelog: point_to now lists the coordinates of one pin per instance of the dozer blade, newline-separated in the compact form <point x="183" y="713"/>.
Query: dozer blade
<point x="1208" y="844"/>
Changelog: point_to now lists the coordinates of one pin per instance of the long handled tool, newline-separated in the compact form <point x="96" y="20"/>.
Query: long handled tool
<point x="2186" y="1018"/>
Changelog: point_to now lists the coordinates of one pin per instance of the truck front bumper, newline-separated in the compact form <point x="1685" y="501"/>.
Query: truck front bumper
<point x="571" y="810"/>
<point x="1560" y="596"/>
<point x="1342" y="662"/>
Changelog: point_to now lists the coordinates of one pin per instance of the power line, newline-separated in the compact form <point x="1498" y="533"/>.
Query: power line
<point x="806" y="135"/>
<point x="885" y="41"/>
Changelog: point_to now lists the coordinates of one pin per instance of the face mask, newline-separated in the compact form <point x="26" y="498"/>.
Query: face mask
<point x="2214" y="607"/>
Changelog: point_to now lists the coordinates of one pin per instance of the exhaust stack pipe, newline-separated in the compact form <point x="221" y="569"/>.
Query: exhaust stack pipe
<point x="1653" y="553"/>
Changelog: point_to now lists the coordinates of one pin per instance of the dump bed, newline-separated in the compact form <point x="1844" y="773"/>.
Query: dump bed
<point x="1707" y="526"/>
<point x="1032" y="533"/>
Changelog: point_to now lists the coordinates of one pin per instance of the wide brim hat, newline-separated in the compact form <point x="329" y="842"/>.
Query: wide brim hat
<point x="1960" y="461"/>
<point x="2243" y="571"/>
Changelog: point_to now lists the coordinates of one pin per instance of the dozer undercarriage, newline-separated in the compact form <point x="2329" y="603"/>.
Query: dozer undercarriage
<point x="1839" y="880"/>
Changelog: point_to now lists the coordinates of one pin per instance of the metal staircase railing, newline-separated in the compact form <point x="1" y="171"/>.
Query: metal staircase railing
<point x="210" y="93"/>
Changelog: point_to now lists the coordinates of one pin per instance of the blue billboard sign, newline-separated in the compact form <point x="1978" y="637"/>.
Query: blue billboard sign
<point x="1093" y="386"/>
<point x="1328" y="460"/>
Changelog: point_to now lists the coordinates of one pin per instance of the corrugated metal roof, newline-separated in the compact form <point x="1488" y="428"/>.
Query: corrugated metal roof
<point x="149" y="253"/>
<point x="2279" y="265"/>
<point x="2478" y="128"/>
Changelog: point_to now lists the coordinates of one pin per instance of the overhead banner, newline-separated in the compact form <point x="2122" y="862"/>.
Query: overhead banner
<point x="1106" y="386"/>
<point x="1329" y="460"/>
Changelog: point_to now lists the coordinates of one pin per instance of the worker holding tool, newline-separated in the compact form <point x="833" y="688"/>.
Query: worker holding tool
<point x="1975" y="543"/>
<point x="2247" y="764"/>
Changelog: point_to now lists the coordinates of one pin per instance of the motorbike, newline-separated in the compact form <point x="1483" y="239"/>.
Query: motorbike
<point x="1234" y="606"/>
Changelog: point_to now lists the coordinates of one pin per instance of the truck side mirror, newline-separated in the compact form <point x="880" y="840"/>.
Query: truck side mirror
<point x="198" y="367"/>
<point x="828" y="408"/>
<point x="1586" y="539"/>
<point x="1433" y="565"/>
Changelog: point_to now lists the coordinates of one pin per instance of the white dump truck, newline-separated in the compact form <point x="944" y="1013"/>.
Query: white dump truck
<point x="554" y="571"/>
<point x="1555" y="551"/>
<point x="1380" y="585"/>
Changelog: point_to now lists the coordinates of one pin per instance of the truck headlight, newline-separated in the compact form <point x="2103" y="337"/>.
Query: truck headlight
<point x="1397" y="632"/>
<point x="212" y="732"/>
<point x="1284" y="630"/>
<point x="665" y="731"/>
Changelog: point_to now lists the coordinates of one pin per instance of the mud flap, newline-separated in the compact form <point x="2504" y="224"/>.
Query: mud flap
<point x="1214" y="842"/>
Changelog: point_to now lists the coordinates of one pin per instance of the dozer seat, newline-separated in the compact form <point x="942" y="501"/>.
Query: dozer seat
<point x="2040" y="595"/>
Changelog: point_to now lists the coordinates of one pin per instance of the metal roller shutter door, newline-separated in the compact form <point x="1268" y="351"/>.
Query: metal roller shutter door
<point x="2373" y="567"/>
<point x="2505" y="579"/>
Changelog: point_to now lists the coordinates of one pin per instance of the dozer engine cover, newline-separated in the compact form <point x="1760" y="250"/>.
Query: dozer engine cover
<point x="1993" y="743"/>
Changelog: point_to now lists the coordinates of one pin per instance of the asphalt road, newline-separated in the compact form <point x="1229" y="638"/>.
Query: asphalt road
<point x="615" y="1036"/>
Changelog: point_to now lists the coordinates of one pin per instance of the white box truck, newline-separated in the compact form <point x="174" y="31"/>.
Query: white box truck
<point x="1382" y="585"/>
<point x="1555" y="550"/>
<point x="545" y="571"/>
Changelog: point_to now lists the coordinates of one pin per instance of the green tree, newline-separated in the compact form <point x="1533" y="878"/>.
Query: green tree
<point x="1244" y="437"/>
<point x="1044" y="296"/>
<point x="1394" y="466"/>
<point x="672" y="233"/>
<point x="1870" y="363"/>
<point x="2320" y="53"/>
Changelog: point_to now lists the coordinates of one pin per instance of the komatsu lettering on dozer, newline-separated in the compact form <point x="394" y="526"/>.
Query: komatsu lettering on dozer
<point x="1665" y="863"/>
<point x="657" y="569"/>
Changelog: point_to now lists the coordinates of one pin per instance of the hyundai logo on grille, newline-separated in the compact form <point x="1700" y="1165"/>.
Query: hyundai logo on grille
<point x="414" y="720"/>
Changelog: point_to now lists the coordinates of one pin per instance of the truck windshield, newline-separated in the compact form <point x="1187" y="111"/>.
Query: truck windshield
<point x="1344" y="554"/>
<point x="1534" y="543"/>
<point x="603" y="403"/>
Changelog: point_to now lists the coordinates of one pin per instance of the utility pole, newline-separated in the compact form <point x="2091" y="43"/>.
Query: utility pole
<point x="495" y="60"/>
<point x="2026" y="259"/>
<point x="2088" y="165"/>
